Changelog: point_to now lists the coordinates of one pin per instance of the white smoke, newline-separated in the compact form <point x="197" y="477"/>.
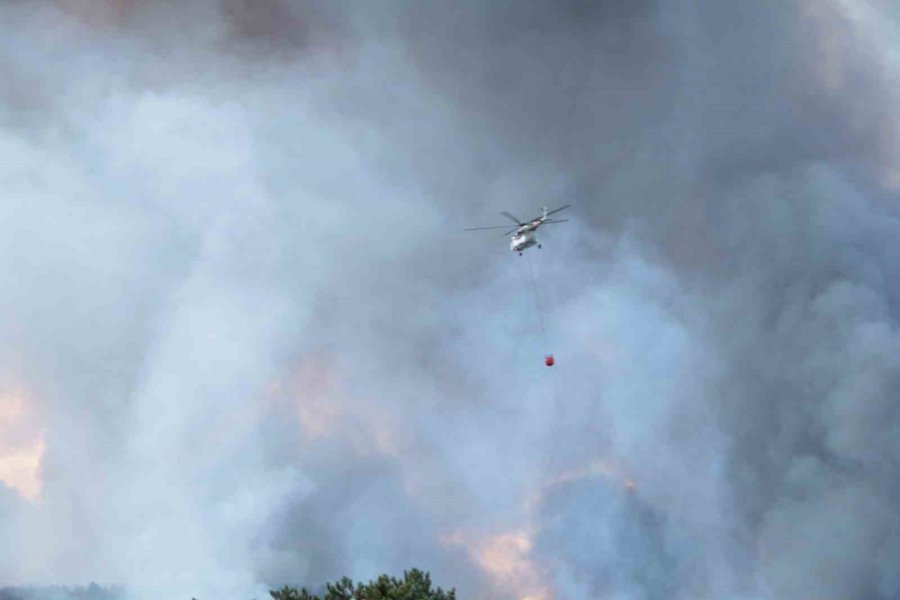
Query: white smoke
<point x="256" y="350"/>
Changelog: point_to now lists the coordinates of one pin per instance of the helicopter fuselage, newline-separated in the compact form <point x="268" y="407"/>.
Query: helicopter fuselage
<point x="524" y="238"/>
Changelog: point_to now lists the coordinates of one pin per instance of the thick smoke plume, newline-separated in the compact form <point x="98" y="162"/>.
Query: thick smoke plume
<point x="245" y="343"/>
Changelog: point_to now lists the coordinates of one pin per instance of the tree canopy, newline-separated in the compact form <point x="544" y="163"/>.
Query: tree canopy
<point x="415" y="585"/>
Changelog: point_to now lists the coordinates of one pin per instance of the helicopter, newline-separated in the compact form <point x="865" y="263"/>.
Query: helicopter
<point x="523" y="235"/>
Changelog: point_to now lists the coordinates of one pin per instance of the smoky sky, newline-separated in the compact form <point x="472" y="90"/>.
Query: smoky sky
<point x="246" y="343"/>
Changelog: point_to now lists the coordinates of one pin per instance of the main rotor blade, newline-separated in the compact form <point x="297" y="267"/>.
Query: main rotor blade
<point x="555" y="221"/>
<point x="556" y="210"/>
<point x="482" y="228"/>
<point x="509" y="216"/>
<point x="511" y="231"/>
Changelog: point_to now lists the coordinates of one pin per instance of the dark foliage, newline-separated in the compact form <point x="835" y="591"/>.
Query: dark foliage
<point x="415" y="585"/>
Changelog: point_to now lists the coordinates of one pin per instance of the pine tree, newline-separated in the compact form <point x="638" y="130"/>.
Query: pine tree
<point x="415" y="585"/>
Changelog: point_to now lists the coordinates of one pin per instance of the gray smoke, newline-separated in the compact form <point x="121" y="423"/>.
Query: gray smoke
<point x="240" y="315"/>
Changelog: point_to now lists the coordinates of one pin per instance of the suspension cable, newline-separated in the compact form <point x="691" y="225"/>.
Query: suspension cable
<point x="537" y="301"/>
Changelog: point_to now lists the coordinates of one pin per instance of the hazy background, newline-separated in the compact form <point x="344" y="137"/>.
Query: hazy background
<point x="245" y="343"/>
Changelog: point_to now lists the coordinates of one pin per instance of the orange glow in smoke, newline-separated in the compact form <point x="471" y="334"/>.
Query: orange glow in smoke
<point x="21" y="447"/>
<point x="313" y="392"/>
<point x="20" y="469"/>
<point x="505" y="558"/>
<point x="602" y="467"/>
